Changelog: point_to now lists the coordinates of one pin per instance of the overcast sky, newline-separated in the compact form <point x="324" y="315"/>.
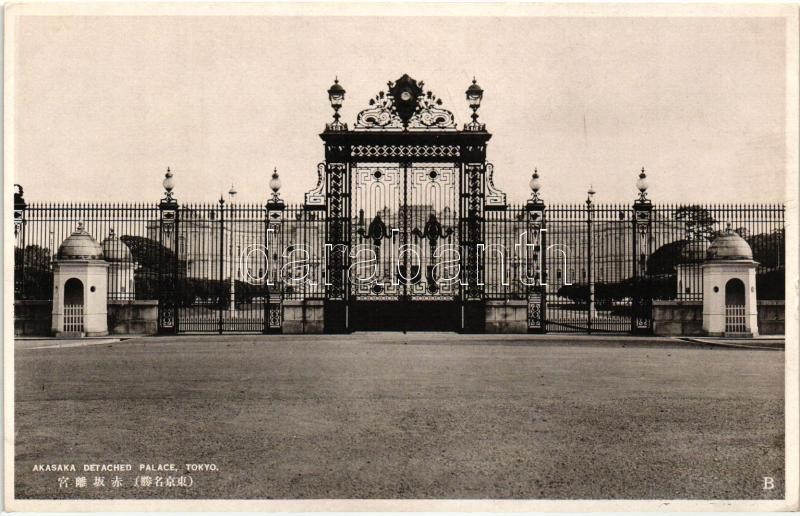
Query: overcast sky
<point x="104" y="105"/>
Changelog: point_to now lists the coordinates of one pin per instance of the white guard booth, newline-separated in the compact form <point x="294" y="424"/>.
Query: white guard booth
<point x="80" y="284"/>
<point x="729" y="288"/>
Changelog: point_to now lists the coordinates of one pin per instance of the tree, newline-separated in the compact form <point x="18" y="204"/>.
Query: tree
<point x="699" y="222"/>
<point x="665" y="258"/>
<point x="771" y="284"/>
<point x="151" y="257"/>
<point x="33" y="277"/>
<point x="33" y="256"/>
<point x="655" y="287"/>
<point x="769" y="249"/>
<point x="147" y="252"/>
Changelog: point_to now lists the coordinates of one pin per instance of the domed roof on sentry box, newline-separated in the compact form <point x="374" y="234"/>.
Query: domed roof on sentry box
<point x="115" y="250"/>
<point x="729" y="246"/>
<point x="80" y="245"/>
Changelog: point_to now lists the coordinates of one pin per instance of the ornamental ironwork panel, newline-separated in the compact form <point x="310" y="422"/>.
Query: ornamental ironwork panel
<point x="316" y="197"/>
<point x="378" y="194"/>
<point x="405" y="106"/>
<point x="495" y="198"/>
<point x="471" y="224"/>
<point x="431" y="212"/>
<point x="275" y="313"/>
<point x="406" y="151"/>
<point x="338" y="231"/>
<point x="536" y="311"/>
<point x="405" y="219"/>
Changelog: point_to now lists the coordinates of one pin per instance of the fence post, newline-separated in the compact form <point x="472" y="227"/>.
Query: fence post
<point x="590" y="312"/>
<point x="273" y="320"/>
<point x="223" y="294"/>
<point x="642" y="320"/>
<point x="19" y="237"/>
<point x="537" y="260"/>
<point x="168" y="264"/>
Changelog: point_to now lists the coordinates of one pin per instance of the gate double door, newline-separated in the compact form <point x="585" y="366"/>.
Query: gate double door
<point x="591" y="269"/>
<point x="405" y="246"/>
<point x="222" y="269"/>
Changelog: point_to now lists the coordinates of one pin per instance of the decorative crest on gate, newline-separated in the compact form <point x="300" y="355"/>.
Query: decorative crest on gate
<point x="405" y="106"/>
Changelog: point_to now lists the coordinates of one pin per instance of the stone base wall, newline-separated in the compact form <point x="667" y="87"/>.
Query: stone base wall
<point x="133" y="317"/>
<point x="303" y="316"/>
<point x="33" y="318"/>
<point x="678" y="318"/>
<point x="506" y="317"/>
<point x="771" y="317"/>
<point x="686" y="318"/>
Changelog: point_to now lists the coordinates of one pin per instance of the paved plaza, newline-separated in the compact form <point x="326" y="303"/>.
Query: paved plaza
<point x="400" y="416"/>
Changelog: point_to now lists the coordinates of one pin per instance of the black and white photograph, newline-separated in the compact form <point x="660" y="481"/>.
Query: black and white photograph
<point x="400" y="257"/>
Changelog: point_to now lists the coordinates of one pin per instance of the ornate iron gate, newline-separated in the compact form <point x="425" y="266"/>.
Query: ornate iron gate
<point x="405" y="235"/>
<point x="405" y="192"/>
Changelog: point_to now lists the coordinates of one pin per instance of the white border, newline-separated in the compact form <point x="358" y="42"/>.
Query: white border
<point x="789" y="12"/>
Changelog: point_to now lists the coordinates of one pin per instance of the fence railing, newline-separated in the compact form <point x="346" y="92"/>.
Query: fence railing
<point x="681" y="233"/>
<point x="47" y="225"/>
<point x="222" y="248"/>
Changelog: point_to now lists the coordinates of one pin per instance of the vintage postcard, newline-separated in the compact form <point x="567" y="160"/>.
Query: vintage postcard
<point x="400" y="257"/>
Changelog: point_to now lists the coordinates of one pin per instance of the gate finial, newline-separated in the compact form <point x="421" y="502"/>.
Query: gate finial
<point x="168" y="183"/>
<point x="474" y="96"/>
<point x="536" y="185"/>
<point x="336" y="97"/>
<point x="275" y="185"/>
<point x="641" y="185"/>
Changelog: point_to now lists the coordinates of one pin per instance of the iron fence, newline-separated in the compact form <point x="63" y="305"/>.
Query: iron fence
<point x="229" y="259"/>
<point x="594" y="271"/>
<point x="681" y="235"/>
<point x="46" y="225"/>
